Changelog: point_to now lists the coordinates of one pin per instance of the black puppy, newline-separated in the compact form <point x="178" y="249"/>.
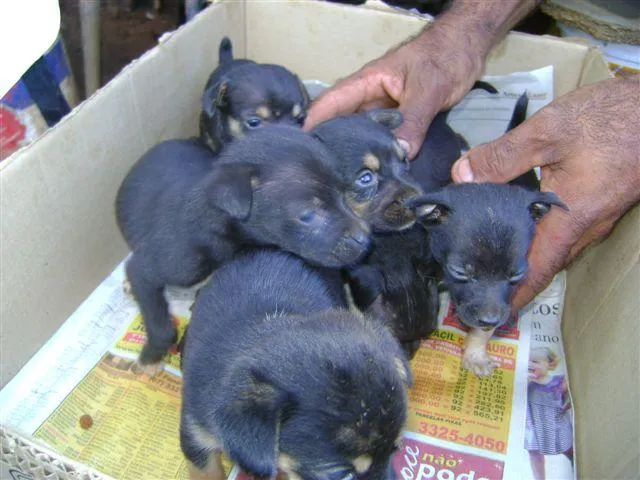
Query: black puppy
<point x="279" y="378"/>
<point x="184" y="215"/>
<point x="399" y="279"/>
<point x="241" y="96"/>
<point x="480" y="235"/>
<point x="373" y="165"/>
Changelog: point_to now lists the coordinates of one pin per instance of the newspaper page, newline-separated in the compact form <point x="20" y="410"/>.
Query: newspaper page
<point x="83" y="395"/>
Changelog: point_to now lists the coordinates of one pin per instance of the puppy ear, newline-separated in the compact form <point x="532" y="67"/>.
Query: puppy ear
<point x="222" y="98"/>
<point x="543" y="203"/>
<point x="388" y="117"/>
<point x="305" y="93"/>
<point x="230" y="188"/>
<point x="215" y="97"/>
<point x="431" y="209"/>
<point x="250" y="424"/>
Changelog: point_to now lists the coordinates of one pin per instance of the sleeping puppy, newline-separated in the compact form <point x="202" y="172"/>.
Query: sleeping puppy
<point x="242" y="96"/>
<point x="480" y="235"/>
<point x="183" y="215"/>
<point x="373" y="165"/>
<point x="282" y="381"/>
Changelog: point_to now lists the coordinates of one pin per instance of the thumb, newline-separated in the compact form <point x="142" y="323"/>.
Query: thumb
<point x="514" y="153"/>
<point x="417" y="114"/>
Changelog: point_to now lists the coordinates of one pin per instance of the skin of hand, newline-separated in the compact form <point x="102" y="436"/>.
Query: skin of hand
<point x="426" y="74"/>
<point x="587" y="144"/>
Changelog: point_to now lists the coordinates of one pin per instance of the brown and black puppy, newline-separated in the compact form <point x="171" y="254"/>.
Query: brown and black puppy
<point x="183" y="215"/>
<point x="242" y="96"/>
<point x="373" y="165"/>
<point x="280" y="378"/>
<point x="480" y="235"/>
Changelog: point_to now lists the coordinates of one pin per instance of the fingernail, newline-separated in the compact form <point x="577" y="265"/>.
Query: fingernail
<point x="463" y="170"/>
<point x="405" y="145"/>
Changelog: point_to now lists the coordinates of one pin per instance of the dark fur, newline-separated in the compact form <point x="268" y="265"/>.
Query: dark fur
<point x="381" y="201"/>
<point x="237" y="89"/>
<point x="184" y="215"/>
<point x="480" y="234"/>
<point x="399" y="278"/>
<point x="272" y="367"/>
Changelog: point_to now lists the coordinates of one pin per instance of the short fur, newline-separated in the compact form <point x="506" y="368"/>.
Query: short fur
<point x="357" y="140"/>
<point x="278" y="377"/>
<point x="184" y="215"/>
<point x="239" y="90"/>
<point x="480" y="235"/>
<point x="399" y="278"/>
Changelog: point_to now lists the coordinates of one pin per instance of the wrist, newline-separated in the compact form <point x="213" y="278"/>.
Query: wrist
<point x="480" y="25"/>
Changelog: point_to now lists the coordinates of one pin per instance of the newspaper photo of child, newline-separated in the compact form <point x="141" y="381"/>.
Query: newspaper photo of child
<point x="549" y="430"/>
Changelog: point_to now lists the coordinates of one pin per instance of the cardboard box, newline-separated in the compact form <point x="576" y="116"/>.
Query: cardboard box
<point x="59" y="237"/>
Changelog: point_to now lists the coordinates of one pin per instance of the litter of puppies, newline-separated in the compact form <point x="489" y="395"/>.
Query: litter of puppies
<point x="278" y="219"/>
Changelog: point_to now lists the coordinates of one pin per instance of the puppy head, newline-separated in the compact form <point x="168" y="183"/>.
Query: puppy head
<point x="373" y="164"/>
<point x="249" y="97"/>
<point x="480" y="234"/>
<point x="295" y="200"/>
<point x="318" y="406"/>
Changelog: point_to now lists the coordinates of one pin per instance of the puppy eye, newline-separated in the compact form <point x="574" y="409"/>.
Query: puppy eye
<point x="253" y="122"/>
<point x="516" y="277"/>
<point x="301" y="119"/>
<point x="458" y="274"/>
<point x="308" y="216"/>
<point x="366" y="178"/>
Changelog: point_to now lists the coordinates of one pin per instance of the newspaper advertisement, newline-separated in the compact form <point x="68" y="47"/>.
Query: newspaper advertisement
<point x="84" y="396"/>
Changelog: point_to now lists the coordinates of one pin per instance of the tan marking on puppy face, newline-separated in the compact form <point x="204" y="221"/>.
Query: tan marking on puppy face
<point x="213" y="471"/>
<point x="371" y="162"/>
<point x="296" y="110"/>
<point x="362" y="463"/>
<point x="361" y="209"/>
<point x="264" y="112"/>
<point x="235" y="128"/>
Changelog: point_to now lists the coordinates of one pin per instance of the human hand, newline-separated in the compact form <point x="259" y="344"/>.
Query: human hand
<point x="421" y="77"/>
<point x="587" y="144"/>
<point x="426" y="74"/>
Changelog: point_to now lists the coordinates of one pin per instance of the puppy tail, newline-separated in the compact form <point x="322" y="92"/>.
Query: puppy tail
<point x="528" y="179"/>
<point x="519" y="112"/>
<point x="225" y="52"/>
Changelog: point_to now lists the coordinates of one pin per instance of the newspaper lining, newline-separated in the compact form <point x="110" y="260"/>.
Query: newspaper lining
<point x="459" y="426"/>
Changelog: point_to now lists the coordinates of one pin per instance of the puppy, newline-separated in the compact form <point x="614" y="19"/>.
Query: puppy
<point x="184" y="215"/>
<point x="241" y="96"/>
<point x="480" y="235"/>
<point x="399" y="278"/>
<point x="373" y="165"/>
<point x="280" y="379"/>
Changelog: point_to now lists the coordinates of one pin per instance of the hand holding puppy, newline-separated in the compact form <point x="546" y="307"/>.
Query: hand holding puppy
<point x="588" y="148"/>
<point x="427" y="74"/>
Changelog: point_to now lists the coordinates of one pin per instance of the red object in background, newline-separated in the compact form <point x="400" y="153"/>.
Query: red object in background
<point x="12" y="132"/>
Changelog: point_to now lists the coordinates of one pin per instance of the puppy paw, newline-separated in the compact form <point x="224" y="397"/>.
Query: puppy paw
<point x="150" y="369"/>
<point x="478" y="361"/>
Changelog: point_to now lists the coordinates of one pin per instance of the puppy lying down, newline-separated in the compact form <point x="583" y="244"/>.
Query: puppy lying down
<point x="281" y="378"/>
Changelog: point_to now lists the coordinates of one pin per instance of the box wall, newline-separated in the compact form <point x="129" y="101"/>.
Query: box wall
<point x="59" y="236"/>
